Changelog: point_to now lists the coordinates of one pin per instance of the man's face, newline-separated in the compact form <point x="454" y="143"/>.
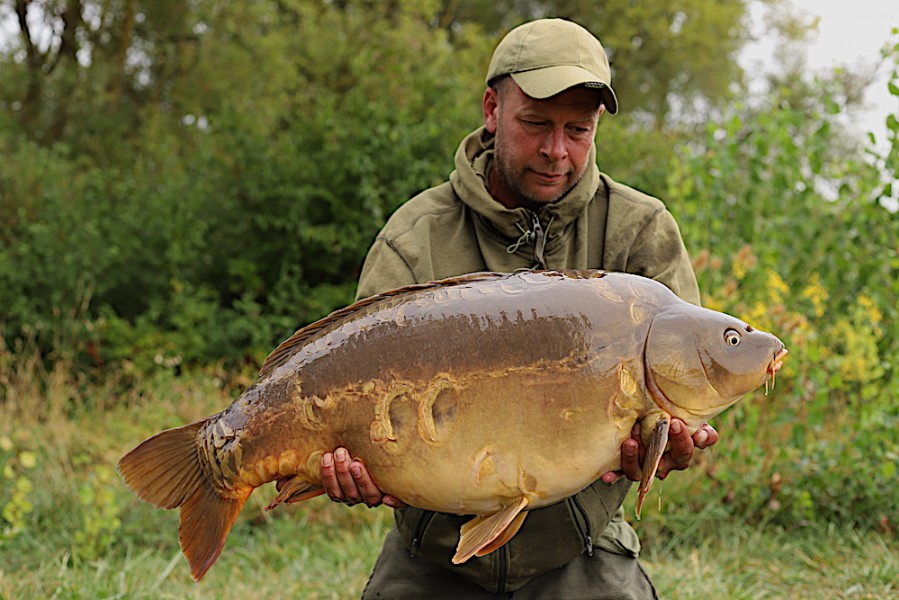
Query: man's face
<point x="542" y="146"/>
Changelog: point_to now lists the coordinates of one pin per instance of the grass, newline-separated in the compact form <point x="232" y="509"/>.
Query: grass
<point x="738" y="561"/>
<point x="317" y="553"/>
<point x="86" y="536"/>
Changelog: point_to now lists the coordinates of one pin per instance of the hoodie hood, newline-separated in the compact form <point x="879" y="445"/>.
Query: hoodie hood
<point x="469" y="181"/>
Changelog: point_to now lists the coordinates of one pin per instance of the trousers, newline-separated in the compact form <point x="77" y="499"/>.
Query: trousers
<point x="603" y="576"/>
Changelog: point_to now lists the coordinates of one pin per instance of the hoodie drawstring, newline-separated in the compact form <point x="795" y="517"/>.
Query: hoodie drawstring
<point x="526" y="236"/>
<point x="536" y="234"/>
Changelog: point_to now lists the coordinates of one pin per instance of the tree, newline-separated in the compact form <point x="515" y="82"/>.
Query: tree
<point x="238" y="164"/>
<point x="662" y="54"/>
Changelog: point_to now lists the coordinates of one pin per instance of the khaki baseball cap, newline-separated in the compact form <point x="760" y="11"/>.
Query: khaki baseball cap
<point x="548" y="56"/>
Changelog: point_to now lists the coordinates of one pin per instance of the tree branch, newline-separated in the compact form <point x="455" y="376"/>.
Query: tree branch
<point x="115" y="88"/>
<point x="30" y="50"/>
<point x="449" y="16"/>
<point x="68" y="45"/>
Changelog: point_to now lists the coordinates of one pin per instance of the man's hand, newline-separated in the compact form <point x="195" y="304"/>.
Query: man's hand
<point x="346" y="480"/>
<point x="677" y="458"/>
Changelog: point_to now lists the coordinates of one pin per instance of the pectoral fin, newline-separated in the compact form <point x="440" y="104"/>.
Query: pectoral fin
<point x="484" y="534"/>
<point x="296" y="490"/>
<point x="656" y="441"/>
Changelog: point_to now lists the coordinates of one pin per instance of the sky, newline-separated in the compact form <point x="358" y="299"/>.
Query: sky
<point x="849" y="33"/>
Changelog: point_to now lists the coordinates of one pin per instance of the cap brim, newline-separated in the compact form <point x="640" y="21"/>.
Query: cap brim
<point x="549" y="81"/>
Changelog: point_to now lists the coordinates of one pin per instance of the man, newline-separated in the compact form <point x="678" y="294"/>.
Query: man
<point x="527" y="193"/>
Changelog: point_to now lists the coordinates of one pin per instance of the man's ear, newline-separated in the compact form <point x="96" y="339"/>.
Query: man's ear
<point x="602" y="109"/>
<point x="491" y="109"/>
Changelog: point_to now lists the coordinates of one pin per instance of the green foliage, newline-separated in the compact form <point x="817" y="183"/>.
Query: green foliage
<point x="889" y="161"/>
<point x="664" y="51"/>
<point x="662" y="54"/>
<point x="793" y="231"/>
<point x="100" y="508"/>
<point x="15" y="493"/>
<point x="250" y="171"/>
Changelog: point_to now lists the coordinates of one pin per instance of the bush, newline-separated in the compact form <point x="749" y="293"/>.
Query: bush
<point x="220" y="223"/>
<point x="790" y="251"/>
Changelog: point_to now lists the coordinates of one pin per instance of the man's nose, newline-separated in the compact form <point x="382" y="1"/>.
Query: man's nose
<point x="553" y="146"/>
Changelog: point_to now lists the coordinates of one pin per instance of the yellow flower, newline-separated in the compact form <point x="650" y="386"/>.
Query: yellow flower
<point x="817" y="294"/>
<point x="28" y="460"/>
<point x="874" y="314"/>
<point x="853" y="348"/>
<point x="759" y="315"/>
<point x="777" y="288"/>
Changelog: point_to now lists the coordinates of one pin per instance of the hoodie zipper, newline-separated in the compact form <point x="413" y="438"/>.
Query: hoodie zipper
<point x="502" y="568"/>
<point x="502" y="560"/>
<point x="423" y="521"/>
<point x="584" y="526"/>
<point x="539" y="241"/>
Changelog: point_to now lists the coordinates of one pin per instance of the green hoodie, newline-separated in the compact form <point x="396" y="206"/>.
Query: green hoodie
<point x="458" y="228"/>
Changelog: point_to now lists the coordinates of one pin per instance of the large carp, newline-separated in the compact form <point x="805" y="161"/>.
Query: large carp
<point x="486" y="394"/>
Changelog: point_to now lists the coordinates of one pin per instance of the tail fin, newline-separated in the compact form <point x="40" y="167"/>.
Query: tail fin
<point x="165" y="470"/>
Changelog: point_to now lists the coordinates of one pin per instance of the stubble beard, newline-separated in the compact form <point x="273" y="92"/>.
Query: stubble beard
<point x="512" y="179"/>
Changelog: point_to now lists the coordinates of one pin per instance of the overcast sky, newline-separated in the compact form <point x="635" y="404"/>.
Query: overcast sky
<point x="850" y="32"/>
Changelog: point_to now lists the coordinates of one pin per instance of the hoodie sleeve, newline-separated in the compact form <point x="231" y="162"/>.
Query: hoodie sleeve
<point x="658" y="252"/>
<point x="384" y="269"/>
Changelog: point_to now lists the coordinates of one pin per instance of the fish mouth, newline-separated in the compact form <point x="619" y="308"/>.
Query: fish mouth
<point x="776" y="364"/>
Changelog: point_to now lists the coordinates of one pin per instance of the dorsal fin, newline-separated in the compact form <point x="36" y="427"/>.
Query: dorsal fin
<point x="286" y="349"/>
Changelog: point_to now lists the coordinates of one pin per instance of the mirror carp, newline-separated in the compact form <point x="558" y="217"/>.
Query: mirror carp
<point x="485" y="395"/>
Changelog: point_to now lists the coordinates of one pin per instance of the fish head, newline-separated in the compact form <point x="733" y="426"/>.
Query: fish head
<point x="700" y="361"/>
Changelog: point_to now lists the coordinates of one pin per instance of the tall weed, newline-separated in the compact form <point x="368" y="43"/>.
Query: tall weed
<point x="776" y="244"/>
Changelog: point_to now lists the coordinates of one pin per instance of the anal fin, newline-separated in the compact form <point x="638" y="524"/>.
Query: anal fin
<point x="484" y="534"/>
<point x="656" y="441"/>
<point x="507" y="534"/>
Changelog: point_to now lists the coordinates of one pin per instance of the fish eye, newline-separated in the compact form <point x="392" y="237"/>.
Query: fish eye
<point x="732" y="337"/>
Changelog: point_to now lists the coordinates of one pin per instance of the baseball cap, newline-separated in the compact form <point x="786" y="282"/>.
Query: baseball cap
<point x="548" y="56"/>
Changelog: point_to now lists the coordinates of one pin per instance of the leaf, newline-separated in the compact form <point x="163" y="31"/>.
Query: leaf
<point x="893" y="123"/>
<point x="28" y="459"/>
